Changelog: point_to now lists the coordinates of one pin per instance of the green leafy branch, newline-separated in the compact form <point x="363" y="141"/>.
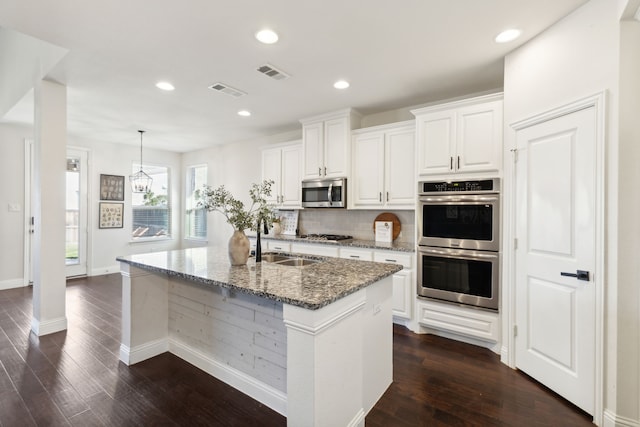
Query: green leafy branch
<point x="221" y="200"/>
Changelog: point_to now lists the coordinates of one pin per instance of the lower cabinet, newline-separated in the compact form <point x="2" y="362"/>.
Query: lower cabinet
<point x="311" y="249"/>
<point x="480" y="324"/>
<point x="403" y="282"/>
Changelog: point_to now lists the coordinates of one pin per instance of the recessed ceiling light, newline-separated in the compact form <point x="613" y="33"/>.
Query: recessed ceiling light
<point x="244" y="113"/>
<point x="508" y="35"/>
<point x="341" y="84"/>
<point x="267" y="36"/>
<point x="165" y="86"/>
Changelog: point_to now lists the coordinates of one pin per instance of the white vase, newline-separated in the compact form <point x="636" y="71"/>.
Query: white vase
<point x="277" y="228"/>
<point x="238" y="248"/>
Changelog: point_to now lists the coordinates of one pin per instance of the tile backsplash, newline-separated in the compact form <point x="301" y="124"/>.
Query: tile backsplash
<point x="356" y="223"/>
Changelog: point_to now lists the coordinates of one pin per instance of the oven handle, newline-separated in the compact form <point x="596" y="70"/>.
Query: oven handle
<point x="456" y="253"/>
<point x="449" y="199"/>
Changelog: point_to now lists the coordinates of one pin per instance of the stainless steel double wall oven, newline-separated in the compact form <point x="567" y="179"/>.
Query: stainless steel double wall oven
<point x="459" y="241"/>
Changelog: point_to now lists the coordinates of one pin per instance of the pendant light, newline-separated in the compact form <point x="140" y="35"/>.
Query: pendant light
<point x="140" y="181"/>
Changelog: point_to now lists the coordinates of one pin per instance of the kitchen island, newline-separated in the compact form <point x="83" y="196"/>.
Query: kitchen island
<point x="312" y="342"/>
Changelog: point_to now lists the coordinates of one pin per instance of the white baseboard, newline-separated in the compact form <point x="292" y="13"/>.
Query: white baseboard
<point x="131" y="356"/>
<point x="267" y="395"/>
<point x="358" y="420"/>
<point x="105" y="270"/>
<point x="11" y="284"/>
<point x="613" y="420"/>
<point x="48" y="326"/>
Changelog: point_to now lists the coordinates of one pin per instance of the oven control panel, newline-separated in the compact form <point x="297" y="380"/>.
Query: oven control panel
<point x="475" y="186"/>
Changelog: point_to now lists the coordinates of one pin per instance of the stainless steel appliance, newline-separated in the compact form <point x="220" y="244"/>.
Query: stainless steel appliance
<point x="458" y="241"/>
<point x="324" y="193"/>
<point x="460" y="214"/>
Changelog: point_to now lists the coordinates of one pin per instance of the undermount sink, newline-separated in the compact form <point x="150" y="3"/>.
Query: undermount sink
<point x="287" y="260"/>
<point x="274" y="257"/>
<point x="297" y="262"/>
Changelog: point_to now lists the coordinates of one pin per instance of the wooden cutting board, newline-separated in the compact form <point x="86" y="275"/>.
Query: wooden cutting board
<point x="389" y="217"/>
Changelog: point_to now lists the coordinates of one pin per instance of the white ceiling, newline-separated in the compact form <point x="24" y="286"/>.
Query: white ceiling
<point x="394" y="53"/>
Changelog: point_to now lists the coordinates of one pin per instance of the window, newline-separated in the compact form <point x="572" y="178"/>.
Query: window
<point x="152" y="210"/>
<point x="196" y="218"/>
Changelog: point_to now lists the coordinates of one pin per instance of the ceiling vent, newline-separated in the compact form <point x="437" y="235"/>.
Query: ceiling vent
<point x="273" y="72"/>
<point x="221" y="87"/>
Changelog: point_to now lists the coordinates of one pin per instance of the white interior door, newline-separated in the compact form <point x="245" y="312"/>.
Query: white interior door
<point x="76" y="213"/>
<point x="556" y="232"/>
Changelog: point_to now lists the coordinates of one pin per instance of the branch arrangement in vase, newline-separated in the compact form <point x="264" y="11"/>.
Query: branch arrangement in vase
<point x="221" y="200"/>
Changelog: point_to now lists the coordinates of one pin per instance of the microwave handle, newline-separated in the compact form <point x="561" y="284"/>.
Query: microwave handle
<point x="329" y="191"/>
<point x="460" y="199"/>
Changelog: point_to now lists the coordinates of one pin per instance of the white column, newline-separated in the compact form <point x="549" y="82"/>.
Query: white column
<point x="49" y="281"/>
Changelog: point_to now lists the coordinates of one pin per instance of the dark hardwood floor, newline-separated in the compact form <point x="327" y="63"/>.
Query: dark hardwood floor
<point x="75" y="378"/>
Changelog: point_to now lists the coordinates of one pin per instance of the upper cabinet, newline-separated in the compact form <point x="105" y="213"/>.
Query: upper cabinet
<point x="383" y="167"/>
<point x="282" y="165"/>
<point x="460" y="137"/>
<point x="325" y="144"/>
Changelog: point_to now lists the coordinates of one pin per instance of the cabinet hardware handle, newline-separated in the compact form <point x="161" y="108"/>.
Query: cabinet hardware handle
<point x="451" y="162"/>
<point x="277" y="247"/>
<point x="319" y="171"/>
<point x="380" y="195"/>
<point x="458" y="162"/>
<point x="325" y="171"/>
<point x="354" y="256"/>
<point x="390" y="260"/>
<point x="387" y="196"/>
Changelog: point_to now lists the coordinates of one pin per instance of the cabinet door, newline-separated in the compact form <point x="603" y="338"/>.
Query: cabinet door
<point x="402" y="294"/>
<point x="479" y="137"/>
<point x="336" y="148"/>
<point x="271" y="167"/>
<point x="312" y="147"/>
<point x="400" y="175"/>
<point x="291" y="193"/>
<point x="436" y="142"/>
<point x="368" y="170"/>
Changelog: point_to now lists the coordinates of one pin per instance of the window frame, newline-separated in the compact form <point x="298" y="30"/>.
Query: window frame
<point x="187" y="195"/>
<point x="135" y="167"/>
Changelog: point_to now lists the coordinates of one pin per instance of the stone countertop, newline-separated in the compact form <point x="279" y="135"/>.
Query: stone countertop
<point x="312" y="287"/>
<point x="355" y="243"/>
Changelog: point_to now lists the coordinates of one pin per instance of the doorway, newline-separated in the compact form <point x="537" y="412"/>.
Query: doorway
<point x="76" y="222"/>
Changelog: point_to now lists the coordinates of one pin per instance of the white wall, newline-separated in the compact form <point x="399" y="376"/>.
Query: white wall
<point x="577" y="57"/>
<point x="12" y="192"/>
<point x="117" y="159"/>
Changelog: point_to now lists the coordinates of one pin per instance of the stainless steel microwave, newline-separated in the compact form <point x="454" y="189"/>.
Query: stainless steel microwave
<point x="324" y="193"/>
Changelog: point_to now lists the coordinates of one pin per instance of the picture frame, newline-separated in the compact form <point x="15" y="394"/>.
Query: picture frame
<point x="111" y="215"/>
<point x="111" y="187"/>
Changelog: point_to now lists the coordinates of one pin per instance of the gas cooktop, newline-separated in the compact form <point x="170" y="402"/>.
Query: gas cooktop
<point x="326" y="237"/>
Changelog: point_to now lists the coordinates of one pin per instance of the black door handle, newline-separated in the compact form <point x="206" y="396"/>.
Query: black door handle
<point x="580" y="275"/>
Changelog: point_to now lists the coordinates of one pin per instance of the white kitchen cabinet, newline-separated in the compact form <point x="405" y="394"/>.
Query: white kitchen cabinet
<point x="383" y="172"/>
<point x="326" y="144"/>
<point x="277" y="245"/>
<point x="315" y="249"/>
<point x="460" y="137"/>
<point x="403" y="282"/>
<point x="356" y="254"/>
<point x="471" y="322"/>
<point x="282" y="165"/>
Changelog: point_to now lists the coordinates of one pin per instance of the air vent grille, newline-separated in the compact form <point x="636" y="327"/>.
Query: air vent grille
<point x="271" y="71"/>
<point x="228" y="90"/>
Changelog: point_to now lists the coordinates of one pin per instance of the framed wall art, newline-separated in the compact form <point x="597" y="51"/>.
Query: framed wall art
<point x="111" y="215"/>
<point x="111" y="187"/>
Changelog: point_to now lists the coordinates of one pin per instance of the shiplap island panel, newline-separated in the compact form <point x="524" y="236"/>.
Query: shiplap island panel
<point x="314" y="343"/>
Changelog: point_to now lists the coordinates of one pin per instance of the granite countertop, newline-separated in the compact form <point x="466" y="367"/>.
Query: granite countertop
<point x="355" y="243"/>
<point x="313" y="286"/>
